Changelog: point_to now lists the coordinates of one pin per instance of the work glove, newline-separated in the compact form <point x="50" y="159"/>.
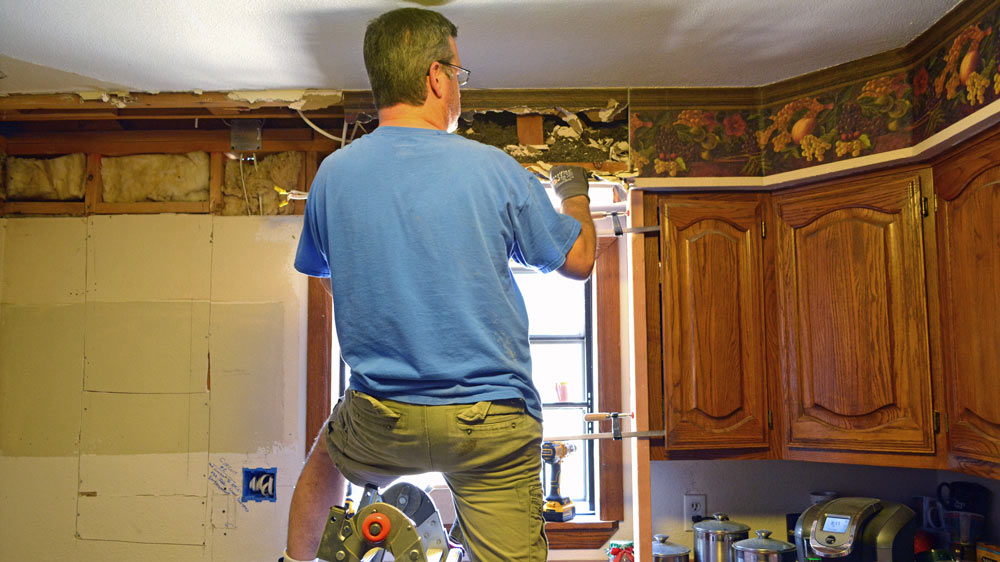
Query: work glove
<point x="569" y="181"/>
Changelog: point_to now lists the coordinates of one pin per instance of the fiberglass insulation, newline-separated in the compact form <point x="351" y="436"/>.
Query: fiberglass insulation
<point x="46" y="179"/>
<point x="250" y="190"/>
<point x="155" y="177"/>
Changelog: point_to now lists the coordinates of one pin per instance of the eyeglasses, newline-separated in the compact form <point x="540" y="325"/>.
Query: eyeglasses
<point x="461" y="74"/>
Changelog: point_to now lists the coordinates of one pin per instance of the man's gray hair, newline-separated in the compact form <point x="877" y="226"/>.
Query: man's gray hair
<point x="400" y="47"/>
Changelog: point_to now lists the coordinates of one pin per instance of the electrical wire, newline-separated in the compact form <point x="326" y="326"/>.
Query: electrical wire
<point x="316" y="128"/>
<point x="246" y="198"/>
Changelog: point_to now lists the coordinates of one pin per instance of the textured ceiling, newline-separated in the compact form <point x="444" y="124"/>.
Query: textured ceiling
<point x="181" y="45"/>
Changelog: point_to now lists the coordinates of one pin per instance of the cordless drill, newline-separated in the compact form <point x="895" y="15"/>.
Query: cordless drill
<point x="557" y="507"/>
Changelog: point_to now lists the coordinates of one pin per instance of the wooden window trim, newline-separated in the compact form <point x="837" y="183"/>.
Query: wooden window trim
<point x="568" y="535"/>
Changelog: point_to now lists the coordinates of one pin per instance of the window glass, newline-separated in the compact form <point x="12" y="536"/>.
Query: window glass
<point x="557" y="369"/>
<point x="573" y="480"/>
<point x="555" y="304"/>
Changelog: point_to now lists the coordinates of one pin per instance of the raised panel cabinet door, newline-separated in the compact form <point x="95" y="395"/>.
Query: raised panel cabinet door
<point x="969" y="257"/>
<point x="713" y="337"/>
<point x="853" y="316"/>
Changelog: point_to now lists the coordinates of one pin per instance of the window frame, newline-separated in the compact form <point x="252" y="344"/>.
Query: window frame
<point x="607" y="337"/>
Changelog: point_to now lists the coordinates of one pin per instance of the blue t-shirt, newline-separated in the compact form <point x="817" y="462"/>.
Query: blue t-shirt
<point x="415" y="228"/>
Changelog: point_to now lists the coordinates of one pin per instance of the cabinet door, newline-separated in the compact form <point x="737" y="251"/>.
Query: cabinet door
<point x="853" y="314"/>
<point x="713" y="340"/>
<point x="969" y="256"/>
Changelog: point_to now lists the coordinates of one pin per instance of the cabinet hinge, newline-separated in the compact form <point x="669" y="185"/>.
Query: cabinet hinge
<point x="763" y="229"/>
<point x="937" y="422"/>
<point x="770" y="420"/>
<point x="924" y="209"/>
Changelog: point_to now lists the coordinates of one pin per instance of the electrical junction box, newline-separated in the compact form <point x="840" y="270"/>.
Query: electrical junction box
<point x="260" y="484"/>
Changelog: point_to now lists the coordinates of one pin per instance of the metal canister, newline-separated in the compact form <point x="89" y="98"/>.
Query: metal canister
<point x="763" y="548"/>
<point x="664" y="551"/>
<point x="714" y="538"/>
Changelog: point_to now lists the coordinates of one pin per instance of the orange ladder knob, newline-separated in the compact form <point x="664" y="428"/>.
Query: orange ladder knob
<point x="376" y="527"/>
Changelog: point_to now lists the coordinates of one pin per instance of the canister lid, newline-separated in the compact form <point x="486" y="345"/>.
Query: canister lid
<point x="663" y="548"/>
<point x="719" y="524"/>
<point x="763" y="544"/>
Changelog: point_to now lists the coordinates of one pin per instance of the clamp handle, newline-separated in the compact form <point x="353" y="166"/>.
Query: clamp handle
<point x="616" y="421"/>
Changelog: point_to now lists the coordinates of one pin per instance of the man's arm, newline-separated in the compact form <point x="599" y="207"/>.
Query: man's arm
<point x="570" y="184"/>
<point x="580" y="258"/>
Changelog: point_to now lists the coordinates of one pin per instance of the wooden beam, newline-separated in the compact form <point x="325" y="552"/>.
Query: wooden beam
<point x="529" y="129"/>
<point x="133" y="101"/>
<point x="94" y="191"/>
<point x="642" y="499"/>
<point x="152" y="207"/>
<point x="216" y="178"/>
<point x="121" y="143"/>
<point x="609" y="388"/>
<point x="319" y="359"/>
<point x="71" y="208"/>
<point x="310" y="165"/>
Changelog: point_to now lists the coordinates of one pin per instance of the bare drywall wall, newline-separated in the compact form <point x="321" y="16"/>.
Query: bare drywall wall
<point x="46" y="179"/>
<point x="155" y="177"/>
<point x="116" y="440"/>
<point x="250" y="184"/>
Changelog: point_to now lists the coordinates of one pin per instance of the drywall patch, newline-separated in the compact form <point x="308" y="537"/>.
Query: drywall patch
<point x="241" y="245"/>
<point x="174" y="520"/>
<point x="44" y="261"/>
<point x="249" y="186"/>
<point x="41" y="372"/>
<point x="150" y="347"/>
<point x="134" y="258"/>
<point x="38" y="508"/>
<point x="46" y="179"/>
<point x="155" y="177"/>
<point x="247" y="388"/>
<point x="144" y="444"/>
<point x="144" y="424"/>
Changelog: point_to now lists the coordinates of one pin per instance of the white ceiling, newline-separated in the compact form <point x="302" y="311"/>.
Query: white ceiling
<point x="222" y="45"/>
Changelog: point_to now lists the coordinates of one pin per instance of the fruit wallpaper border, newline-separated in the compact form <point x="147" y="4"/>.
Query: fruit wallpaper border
<point x="884" y="113"/>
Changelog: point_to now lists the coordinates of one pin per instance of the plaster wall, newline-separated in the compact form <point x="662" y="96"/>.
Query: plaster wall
<point x="144" y="362"/>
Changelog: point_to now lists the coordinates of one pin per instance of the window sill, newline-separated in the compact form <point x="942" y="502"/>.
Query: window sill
<point x="585" y="535"/>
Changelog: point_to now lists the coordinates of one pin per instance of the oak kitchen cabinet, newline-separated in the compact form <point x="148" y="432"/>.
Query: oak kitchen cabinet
<point x="968" y="218"/>
<point x="853" y="316"/>
<point x="713" y="347"/>
<point x="807" y="308"/>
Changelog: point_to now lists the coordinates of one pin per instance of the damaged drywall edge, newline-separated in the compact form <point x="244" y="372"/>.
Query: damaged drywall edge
<point x="116" y="98"/>
<point x="604" y="114"/>
<point x="302" y="100"/>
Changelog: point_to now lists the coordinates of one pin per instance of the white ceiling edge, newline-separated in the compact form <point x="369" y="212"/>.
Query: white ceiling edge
<point x="227" y="45"/>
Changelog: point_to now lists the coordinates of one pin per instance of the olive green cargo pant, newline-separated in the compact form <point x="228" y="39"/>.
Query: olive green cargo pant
<point x="488" y="452"/>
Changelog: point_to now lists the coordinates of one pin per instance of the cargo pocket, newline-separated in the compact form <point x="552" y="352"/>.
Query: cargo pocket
<point x="500" y="417"/>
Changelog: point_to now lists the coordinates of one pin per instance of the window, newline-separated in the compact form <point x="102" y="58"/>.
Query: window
<point x="606" y="490"/>
<point x="560" y="318"/>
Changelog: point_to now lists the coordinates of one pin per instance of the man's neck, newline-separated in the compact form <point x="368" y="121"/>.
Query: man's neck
<point x="417" y="117"/>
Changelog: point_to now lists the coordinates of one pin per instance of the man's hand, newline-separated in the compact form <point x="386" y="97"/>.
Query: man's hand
<point x="569" y="181"/>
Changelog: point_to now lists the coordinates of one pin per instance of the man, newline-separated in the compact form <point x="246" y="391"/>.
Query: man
<point x="412" y="229"/>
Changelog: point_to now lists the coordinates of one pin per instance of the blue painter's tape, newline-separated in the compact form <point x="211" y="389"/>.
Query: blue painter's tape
<point x="260" y="484"/>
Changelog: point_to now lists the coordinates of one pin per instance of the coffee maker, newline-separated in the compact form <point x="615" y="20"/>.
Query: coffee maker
<point x="856" y="530"/>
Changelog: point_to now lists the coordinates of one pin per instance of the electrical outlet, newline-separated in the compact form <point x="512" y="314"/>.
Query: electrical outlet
<point x="694" y="505"/>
